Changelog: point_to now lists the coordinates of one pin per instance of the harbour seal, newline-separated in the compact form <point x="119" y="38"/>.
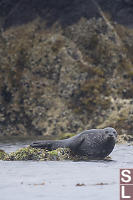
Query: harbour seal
<point x="93" y="143"/>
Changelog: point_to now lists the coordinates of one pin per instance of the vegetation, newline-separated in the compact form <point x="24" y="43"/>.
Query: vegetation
<point x="29" y="153"/>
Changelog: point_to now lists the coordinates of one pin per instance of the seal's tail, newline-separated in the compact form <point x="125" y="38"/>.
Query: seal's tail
<point x="49" y="144"/>
<point x="43" y="145"/>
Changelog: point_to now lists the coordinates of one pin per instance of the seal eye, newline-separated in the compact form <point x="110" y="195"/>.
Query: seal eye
<point x="114" y="132"/>
<point x="106" y="132"/>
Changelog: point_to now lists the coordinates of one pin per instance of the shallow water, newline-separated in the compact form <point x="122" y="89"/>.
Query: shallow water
<point x="33" y="180"/>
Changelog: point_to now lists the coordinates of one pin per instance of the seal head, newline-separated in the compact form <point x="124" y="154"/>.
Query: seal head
<point x="111" y="132"/>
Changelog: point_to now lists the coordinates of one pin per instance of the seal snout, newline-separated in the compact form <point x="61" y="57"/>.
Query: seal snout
<point x="111" y="134"/>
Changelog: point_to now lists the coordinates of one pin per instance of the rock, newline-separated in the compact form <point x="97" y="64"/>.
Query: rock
<point x="2" y="154"/>
<point x="122" y="139"/>
<point x="66" y="70"/>
<point x="29" y="153"/>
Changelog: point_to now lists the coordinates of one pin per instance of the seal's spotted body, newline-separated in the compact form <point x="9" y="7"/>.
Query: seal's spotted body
<point x="94" y="143"/>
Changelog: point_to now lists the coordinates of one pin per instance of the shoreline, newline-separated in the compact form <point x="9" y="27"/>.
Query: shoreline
<point x="121" y="139"/>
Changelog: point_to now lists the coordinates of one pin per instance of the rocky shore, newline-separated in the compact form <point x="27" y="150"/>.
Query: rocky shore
<point x="60" y="154"/>
<point x="65" y="66"/>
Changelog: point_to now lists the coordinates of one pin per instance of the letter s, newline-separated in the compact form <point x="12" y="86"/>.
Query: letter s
<point x="125" y="173"/>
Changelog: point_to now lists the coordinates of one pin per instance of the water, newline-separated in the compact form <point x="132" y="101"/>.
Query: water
<point x="33" y="180"/>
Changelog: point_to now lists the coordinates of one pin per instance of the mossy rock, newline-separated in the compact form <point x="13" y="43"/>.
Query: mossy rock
<point x="124" y="138"/>
<point x="29" y="153"/>
<point x="2" y="154"/>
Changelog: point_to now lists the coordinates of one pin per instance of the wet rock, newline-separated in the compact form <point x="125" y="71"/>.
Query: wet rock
<point x="29" y="153"/>
<point x="2" y="154"/>
<point x="122" y="139"/>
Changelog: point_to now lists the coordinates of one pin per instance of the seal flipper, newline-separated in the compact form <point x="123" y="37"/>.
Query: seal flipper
<point x="50" y="144"/>
<point x="43" y="145"/>
<point x="76" y="146"/>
